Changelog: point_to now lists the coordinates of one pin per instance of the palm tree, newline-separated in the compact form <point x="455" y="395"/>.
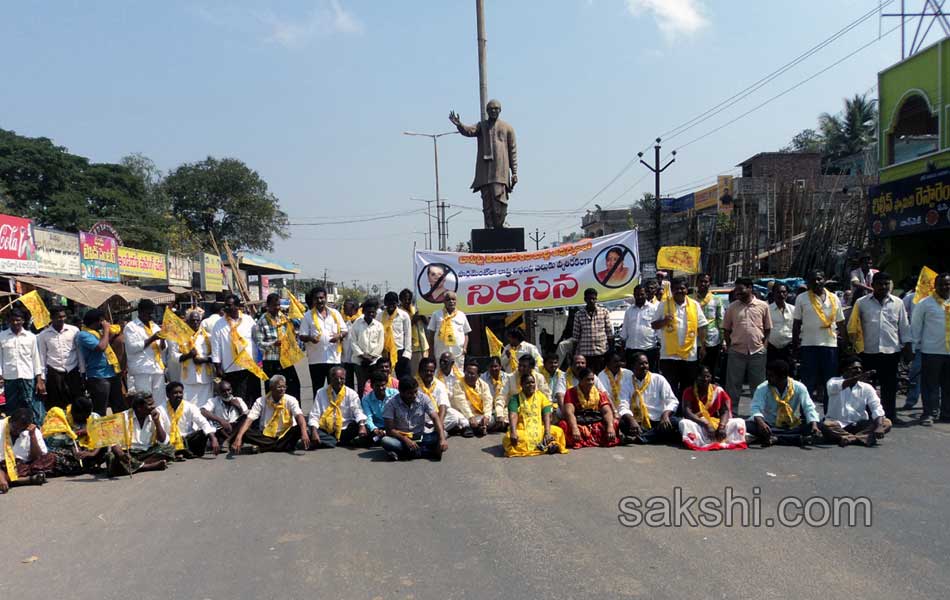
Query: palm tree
<point x="853" y="131"/>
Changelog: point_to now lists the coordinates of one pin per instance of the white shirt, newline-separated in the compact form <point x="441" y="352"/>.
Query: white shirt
<point x="142" y="433"/>
<point x="681" y="324"/>
<point x="452" y="381"/>
<point x="460" y="327"/>
<point x="782" y="320"/>
<point x="191" y="373"/>
<point x="626" y="384"/>
<point x="262" y="411"/>
<point x="658" y="396"/>
<point x="142" y="360"/>
<point x="858" y="277"/>
<point x="813" y="333"/>
<point x="569" y="380"/>
<point x="21" y="446"/>
<point x="638" y="334"/>
<point x="854" y="404"/>
<point x="224" y="410"/>
<point x="496" y="391"/>
<point x="221" y="342"/>
<point x="323" y="352"/>
<point x="557" y="384"/>
<point x="209" y="322"/>
<point x="441" y="392"/>
<point x="909" y="304"/>
<point x="522" y="349"/>
<point x="58" y="349"/>
<point x="191" y="419"/>
<point x="351" y="407"/>
<point x="402" y="330"/>
<point x="884" y="324"/>
<point x="928" y="327"/>
<point x="366" y="339"/>
<point x="19" y="355"/>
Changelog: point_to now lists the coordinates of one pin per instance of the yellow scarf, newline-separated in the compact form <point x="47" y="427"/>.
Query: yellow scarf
<point x="331" y="420"/>
<point x="428" y="391"/>
<point x="280" y="419"/>
<point x="705" y="299"/>
<point x="57" y="422"/>
<point x="9" y="458"/>
<point x="639" y="404"/>
<point x="550" y="376"/>
<point x="239" y="354"/>
<point x="350" y="319"/>
<point x="498" y="383"/>
<point x="816" y="304"/>
<point x="389" y="341"/>
<point x="670" y="336"/>
<point x="855" y="329"/>
<point x="174" y="435"/>
<point x="569" y="379"/>
<point x="455" y="371"/>
<point x="513" y="358"/>
<point x="473" y="397"/>
<point x="130" y="428"/>
<point x="704" y="406"/>
<point x="150" y="329"/>
<point x="785" y="417"/>
<point x="290" y="352"/>
<point x="447" y="332"/>
<point x="111" y="358"/>
<point x="191" y="345"/>
<point x="590" y="400"/>
<point x="614" y="385"/>
<point x="339" y="324"/>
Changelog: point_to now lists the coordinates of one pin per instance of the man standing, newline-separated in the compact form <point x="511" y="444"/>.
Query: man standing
<point x="497" y="155"/>
<point x="102" y="364"/>
<point x="880" y="331"/>
<point x="194" y="359"/>
<point x="448" y="331"/>
<point x="232" y="346"/>
<point x="516" y="348"/>
<point x="714" y="310"/>
<point x="274" y="329"/>
<point x="638" y="333"/>
<point x="818" y="321"/>
<point x="420" y="345"/>
<point x="592" y="331"/>
<point x="780" y="336"/>
<point x="862" y="278"/>
<point x="215" y="314"/>
<point x="397" y="327"/>
<point x="145" y="352"/>
<point x="22" y="368"/>
<point x="351" y="314"/>
<point x="60" y="359"/>
<point x="683" y="336"/>
<point x="367" y="342"/>
<point x="930" y="330"/>
<point x="747" y="326"/>
<point x="323" y="332"/>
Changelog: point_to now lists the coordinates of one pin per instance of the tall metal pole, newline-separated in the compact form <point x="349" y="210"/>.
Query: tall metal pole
<point x="439" y="208"/>
<point x="482" y="58"/>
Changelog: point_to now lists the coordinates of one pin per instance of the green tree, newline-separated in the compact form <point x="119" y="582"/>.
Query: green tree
<point x="851" y="132"/>
<point x="807" y="140"/>
<point x="227" y="199"/>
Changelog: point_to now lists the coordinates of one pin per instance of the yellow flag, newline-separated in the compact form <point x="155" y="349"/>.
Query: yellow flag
<point x="296" y="308"/>
<point x="107" y="431"/>
<point x="494" y="344"/>
<point x="37" y="308"/>
<point x="245" y="361"/>
<point x="679" y="258"/>
<point x="925" y="284"/>
<point x="174" y="329"/>
<point x="290" y="352"/>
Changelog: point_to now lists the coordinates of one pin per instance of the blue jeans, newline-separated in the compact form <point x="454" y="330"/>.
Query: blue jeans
<point x="428" y="446"/>
<point x="818" y="365"/>
<point x="913" y="378"/>
<point x="21" y="393"/>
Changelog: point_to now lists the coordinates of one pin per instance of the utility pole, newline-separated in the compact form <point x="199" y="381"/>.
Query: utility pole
<point x="536" y="238"/>
<point x="482" y="58"/>
<point x="439" y="204"/>
<point x="656" y="172"/>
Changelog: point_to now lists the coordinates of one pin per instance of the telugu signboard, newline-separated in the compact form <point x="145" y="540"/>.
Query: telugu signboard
<point x="98" y="257"/>
<point x="57" y="253"/>
<point x="142" y="264"/>
<point x="549" y="278"/>
<point x="212" y="279"/>
<point x="17" y="246"/>
<point x="179" y="270"/>
<point x="910" y="205"/>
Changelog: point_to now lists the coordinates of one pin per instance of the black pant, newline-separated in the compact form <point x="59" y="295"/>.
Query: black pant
<point x="595" y="362"/>
<point x="106" y="393"/>
<point x="62" y="387"/>
<point x="680" y="373"/>
<point x="655" y="434"/>
<point x="350" y="436"/>
<point x="272" y="367"/>
<point x="403" y="367"/>
<point x="783" y="354"/>
<point x="886" y="367"/>
<point x="244" y="385"/>
<point x="935" y="385"/>
<point x="350" y="380"/>
<point x="286" y="443"/>
<point x="653" y="355"/>
<point x="711" y="360"/>
<point x="319" y="373"/>
<point x="363" y="373"/>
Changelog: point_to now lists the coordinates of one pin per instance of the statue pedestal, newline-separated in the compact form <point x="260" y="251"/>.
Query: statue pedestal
<point x="488" y="241"/>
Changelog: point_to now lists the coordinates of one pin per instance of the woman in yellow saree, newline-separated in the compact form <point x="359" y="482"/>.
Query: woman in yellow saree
<point x="530" y="432"/>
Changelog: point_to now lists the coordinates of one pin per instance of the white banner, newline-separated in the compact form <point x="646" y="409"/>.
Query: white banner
<point x="505" y="282"/>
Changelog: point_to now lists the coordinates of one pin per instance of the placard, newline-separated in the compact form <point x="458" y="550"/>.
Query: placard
<point x="99" y="257"/>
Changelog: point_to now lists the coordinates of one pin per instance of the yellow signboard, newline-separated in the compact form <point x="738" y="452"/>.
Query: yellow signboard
<point x="212" y="279"/>
<point x="107" y="431"/>
<point x="139" y="263"/>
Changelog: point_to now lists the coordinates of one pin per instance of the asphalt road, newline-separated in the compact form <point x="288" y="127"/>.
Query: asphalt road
<point x="347" y="524"/>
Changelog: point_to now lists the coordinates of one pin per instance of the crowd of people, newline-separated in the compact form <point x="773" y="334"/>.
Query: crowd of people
<point x="384" y="375"/>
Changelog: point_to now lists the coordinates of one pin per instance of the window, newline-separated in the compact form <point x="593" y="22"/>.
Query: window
<point x="913" y="132"/>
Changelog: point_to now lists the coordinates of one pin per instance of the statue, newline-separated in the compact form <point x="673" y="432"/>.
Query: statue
<point x="497" y="155"/>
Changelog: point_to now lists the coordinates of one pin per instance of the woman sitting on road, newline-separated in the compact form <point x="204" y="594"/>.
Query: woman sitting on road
<point x="707" y="422"/>
<point x="589" y="417"/>
<point x="530" y="432"/>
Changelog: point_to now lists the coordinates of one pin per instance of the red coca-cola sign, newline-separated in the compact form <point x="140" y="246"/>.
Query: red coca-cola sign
<point x="17" y="247"/>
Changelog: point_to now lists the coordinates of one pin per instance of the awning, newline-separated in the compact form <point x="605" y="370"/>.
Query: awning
<point x="181" y="291"/>
<point x="260" y="265"/>
<point x="93" y="293"/>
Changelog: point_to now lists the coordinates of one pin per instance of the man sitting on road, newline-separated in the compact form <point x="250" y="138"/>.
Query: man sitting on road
<point x="188" y="431"/>
<point x="495" y="377"/>
<point x="281" y="423"/>
<point x="556" y="381"/>
<point x="453" y="422"/>
<point x="616" y="380"/>
<point x="646" y="416"/>
<point x="148" y="448"/>
<point x="778" y="407"/>
<point x="451" y="375"/>
<point x="225" y="412"/>
<point x="337" y="415"/>
<point x="25" y="460"/>
<point x="374" y="404"/>
<point x="474" y="400"/>
<point x="406" y="416"/>
<point x="855" y="413"/>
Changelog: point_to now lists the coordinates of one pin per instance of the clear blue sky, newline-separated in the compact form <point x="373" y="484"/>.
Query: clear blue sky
<point x="314" y="95"/>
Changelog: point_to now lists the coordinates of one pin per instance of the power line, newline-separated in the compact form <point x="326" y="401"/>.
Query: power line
<point x="362" y="219"/>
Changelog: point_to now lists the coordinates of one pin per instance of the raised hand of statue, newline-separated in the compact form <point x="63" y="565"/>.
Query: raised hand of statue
<point x="454" y="119"/>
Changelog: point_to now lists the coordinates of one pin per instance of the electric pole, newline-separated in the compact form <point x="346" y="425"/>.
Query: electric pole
<point x="536" y="238"/>
<point x="482" y="58"/>
<point x="656" y="172"/>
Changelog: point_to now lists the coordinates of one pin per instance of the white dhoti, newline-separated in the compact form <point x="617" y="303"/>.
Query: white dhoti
<point x="697" y="437"/>
<point x="152" y="383"/>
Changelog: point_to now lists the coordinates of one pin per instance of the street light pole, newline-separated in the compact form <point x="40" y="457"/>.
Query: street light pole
<point x="656" y="172"/>
<point x="439" y="204"/>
